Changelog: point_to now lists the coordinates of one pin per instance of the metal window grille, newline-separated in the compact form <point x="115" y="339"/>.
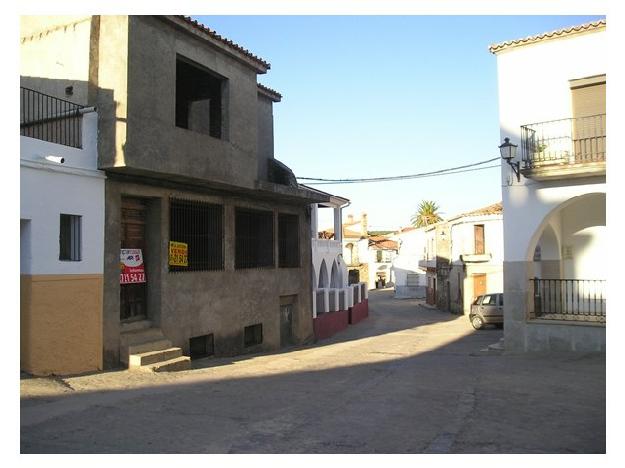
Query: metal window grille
<point x="201" y="346"/>
<point x="70" y="238"/>
<point x="50" y="119"/>
<point x="200" y="226"/>
<point x="254" y="239"/>
<point x="253" y="335"/>
<point x="288" y="241"/>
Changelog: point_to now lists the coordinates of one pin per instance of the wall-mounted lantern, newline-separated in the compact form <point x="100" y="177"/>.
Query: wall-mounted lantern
<point x="508" y="152"/>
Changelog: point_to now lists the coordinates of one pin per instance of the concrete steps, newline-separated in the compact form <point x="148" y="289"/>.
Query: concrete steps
<point x="144" y="347"/>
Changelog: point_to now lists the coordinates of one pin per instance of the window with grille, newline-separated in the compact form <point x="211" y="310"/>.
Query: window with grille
<point x="253" y="335"/>
<point x="70" y="238"/>
<point x="288" y="240"/>
<point x="200" y="226"/>
<point x="254" y="238"/>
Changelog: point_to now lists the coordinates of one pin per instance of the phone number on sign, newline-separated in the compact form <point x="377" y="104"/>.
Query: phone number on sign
<point x="132" y="278"/>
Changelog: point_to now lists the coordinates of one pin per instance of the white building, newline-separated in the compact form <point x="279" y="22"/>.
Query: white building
<point x="410" y="279"/>
<point x="552" y="106"/>
<point x="61" y="237"/>
<point x="336" y="301"/>
<point x="476" y="256"/>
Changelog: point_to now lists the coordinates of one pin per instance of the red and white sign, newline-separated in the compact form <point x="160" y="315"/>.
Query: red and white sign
<point x="131" y="265"/>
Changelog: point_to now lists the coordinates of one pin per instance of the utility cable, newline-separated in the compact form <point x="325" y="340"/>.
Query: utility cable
<point x="451" y="170"/>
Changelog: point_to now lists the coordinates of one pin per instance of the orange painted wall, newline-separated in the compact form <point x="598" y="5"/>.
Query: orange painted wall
<point x="60" y="324"/>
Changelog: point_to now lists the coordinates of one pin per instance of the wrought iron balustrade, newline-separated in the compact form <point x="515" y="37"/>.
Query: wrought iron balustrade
<point x="565" y="141"/>
<point x="49" y="118"/>
<point x="569" y="299"/>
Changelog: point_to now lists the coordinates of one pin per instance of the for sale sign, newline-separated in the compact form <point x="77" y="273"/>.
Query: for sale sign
<point x="178" y="254"/>
<point x="131" y="265"/>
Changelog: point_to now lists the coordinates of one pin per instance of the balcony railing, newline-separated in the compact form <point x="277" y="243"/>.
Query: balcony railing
<point x="567" y="141"/>
<point x="569" y="299"/>
<point x="50" y="119"/>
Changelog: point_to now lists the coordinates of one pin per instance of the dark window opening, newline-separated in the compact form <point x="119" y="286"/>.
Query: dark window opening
<point x="200" y="226"/>
<point x="288" y="241"/>
<point x="253" y="335"/>
<point x="201" y="346"/>
<point x="254" y="239"/>
<point x="70" y="238"/>
<point x="199" y="99"/>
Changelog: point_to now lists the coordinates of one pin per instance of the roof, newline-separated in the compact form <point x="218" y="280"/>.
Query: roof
<point x="210" y="34"/>
<point x="564" y="32"/>
<point x="270" y="93"/>
<point x="495" y="208"/>
<point x="382" y="243"/>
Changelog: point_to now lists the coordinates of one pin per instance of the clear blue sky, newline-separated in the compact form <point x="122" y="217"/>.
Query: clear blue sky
<point x="370" y="96"/>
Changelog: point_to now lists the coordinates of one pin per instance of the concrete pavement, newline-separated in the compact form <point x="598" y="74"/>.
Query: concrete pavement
<point x="406" y="380"/>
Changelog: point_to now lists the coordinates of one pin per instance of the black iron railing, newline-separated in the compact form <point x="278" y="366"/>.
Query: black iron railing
<point x="50" y="119"/>
<point x="569" y="299"/>
<point x="564" y="141"/>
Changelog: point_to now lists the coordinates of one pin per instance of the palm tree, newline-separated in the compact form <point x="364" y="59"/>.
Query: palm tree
<point x="427" y="214"/>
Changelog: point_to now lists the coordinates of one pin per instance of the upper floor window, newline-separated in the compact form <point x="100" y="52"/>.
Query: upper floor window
<point x="478" y="230"/>
<point x="288" y="240"/>
<point x="200" y="99"/>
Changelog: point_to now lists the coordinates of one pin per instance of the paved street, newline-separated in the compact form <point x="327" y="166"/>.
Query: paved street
<point x="407" y="380"/>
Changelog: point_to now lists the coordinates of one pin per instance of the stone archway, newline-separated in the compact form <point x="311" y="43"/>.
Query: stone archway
<point x="323" y="275"/>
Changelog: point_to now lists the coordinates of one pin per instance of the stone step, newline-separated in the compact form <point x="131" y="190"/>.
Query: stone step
<point x="135" y="326"/>
<point x="151" y="357"/>
<point x="141" y="336"/>
<point x="176" y="364"/>
<point x="156" y="345"/>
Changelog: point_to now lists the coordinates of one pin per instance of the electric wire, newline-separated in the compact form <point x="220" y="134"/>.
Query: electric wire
<point x="440" y="172"/>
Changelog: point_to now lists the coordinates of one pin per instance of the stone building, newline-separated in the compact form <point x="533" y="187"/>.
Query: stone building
<point x="185" y="137"/>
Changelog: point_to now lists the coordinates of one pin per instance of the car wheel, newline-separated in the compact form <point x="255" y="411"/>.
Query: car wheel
<point x="477" y="322"/>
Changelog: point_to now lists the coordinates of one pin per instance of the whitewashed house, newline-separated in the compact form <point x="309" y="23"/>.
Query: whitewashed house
<point x="410" y="279"/>
<point x="552" y="107"/>
<point x="61" y="237"/>
<point x="476" y="256"/>
<point x="336" y="301"/>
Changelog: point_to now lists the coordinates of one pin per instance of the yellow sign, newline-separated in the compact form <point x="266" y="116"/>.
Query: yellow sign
<point x="178" y="254"/>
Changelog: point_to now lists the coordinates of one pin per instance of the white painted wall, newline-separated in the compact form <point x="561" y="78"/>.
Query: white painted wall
<point x="411" y="247"/>
<point x="534" y="87"/>
<point x="47" y="190"/>
<point x="463" y="237"/>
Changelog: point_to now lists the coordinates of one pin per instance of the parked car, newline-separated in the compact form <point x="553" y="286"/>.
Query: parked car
<point x="487" y="308"/>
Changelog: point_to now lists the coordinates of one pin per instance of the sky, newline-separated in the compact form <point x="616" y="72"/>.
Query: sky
<point x="372" y="96"/>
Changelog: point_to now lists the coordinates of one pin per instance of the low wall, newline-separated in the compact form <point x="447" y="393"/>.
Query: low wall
<point x="329" y="323"/>
<point x="359" y="312"/>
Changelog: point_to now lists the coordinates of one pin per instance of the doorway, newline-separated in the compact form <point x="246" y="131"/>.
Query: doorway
<point x="479" y="285"/>
<point x="287" y="311"/>
<point x="133" y="296"/>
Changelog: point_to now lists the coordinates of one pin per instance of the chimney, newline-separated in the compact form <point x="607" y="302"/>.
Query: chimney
<point x="363" y="225"/>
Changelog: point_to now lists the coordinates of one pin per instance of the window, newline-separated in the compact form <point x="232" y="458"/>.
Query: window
<point x="478" y="230"/>
<point x="70" y="238"/>
<point x="288" y="241"/>
<point x="254" y="239"/>
<point x="253" y="335"/>
<point x="201" y="346"/>
<point x="200" y="226"/>
<point x="199" y="99"/>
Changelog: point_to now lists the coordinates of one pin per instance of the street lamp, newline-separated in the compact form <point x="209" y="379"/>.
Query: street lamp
<point x="508" y="152"/>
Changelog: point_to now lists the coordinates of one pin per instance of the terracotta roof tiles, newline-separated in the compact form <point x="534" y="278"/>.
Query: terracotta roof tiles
<point x="494" y="48"/>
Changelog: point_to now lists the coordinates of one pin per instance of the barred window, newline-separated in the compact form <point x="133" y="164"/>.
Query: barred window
<point x="253" y="335"/>
<point x="200" y="226"/>
<point x="254" y="238"/>
<point x="288" y="240"/>
<point x="70" y="238"/>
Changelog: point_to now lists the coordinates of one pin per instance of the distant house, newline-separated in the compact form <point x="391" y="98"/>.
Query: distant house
<point x="410" y="279"/>
<point x="552" y="105"/>
<point x="380" y="255"/>
<point x="476" y="256"/>
<point x="436" y="263"/>
<point x="337" y="302"/>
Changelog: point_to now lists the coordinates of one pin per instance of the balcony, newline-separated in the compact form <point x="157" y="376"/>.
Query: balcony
<point x="564" y="148"/>
<point x="427" y="263"/>
<point x="50" y="119"/>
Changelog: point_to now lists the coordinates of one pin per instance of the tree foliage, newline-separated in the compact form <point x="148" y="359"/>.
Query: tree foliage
<point x="427" y="213"/>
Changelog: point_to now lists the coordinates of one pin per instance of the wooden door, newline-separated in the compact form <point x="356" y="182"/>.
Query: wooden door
<point x="479" y="285"/>
<point x="133" y="297"/>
